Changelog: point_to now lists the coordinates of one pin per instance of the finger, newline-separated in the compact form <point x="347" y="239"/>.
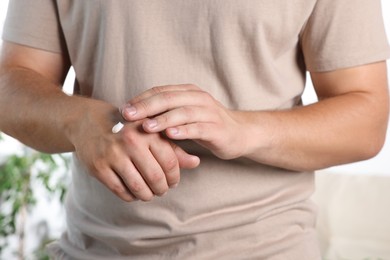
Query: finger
<point x="163" y="102"/>
<point x="186" y="161"/>
<point x="168" y="161"/>
<point x="180" y="116"/>
<point x="115" y="184"/>
<point x="133" y="181"/>
<point x="159" y="89"/>
<point x="128" y="111"/>
<point x="151" y="171"/>
<point x="197" y="131"/>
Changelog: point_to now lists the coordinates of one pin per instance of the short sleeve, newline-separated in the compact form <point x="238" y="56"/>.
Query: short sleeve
<point x="344" y="33"/>
<point x="34" y="23"/>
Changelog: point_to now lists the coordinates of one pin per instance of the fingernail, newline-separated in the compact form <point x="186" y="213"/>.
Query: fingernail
<point x="130" y="110"/>
<point x="173" y="131"/>
<point x="151" y="123"/>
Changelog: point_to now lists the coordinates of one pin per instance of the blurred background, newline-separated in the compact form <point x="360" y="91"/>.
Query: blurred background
<point x="353" y="199"/>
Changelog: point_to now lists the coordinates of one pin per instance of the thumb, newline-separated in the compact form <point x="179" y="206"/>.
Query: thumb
<point x="186" y="161"/>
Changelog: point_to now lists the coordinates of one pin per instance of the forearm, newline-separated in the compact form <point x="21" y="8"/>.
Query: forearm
<point x="334" y="131"/>
<point x="348" y="124"/>
<point x="37" y="112"/>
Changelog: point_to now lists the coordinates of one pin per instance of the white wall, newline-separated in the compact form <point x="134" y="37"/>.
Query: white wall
<point x="379" y="164"/>
<point x="3" y="10"/>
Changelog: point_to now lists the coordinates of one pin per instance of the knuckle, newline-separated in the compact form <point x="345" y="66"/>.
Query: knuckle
<point x="156" y="177"/>
<point x="135" y="186"/>
<point x="188" y="111"/>
<point x="98" y="166"/>
<point x="171" y="164"/>
<point x="130" y="137"/>
<point x="117" y="188"/>
<point x="172" y="172"/>
<point x="157" y="90"/>
<point x="144" y="105"/>
<point x="167" y="96"/>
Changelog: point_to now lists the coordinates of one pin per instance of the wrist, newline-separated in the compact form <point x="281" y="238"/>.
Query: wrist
<point x="87" y="114"/>
<point x="257" y="135"/>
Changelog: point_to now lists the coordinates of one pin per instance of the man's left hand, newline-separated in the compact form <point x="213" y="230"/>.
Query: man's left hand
<point x="187" y="112"/>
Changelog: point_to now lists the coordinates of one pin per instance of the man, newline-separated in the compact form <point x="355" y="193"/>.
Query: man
<point x="210" y="82"/>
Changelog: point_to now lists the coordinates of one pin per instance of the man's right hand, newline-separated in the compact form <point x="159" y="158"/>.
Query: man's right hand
<point x="132" y="163"/>
<point x="34" y="110"/>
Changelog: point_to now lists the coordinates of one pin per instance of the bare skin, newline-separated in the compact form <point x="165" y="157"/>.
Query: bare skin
<point x="34" y="110"/>
<point x="348" y="123"/>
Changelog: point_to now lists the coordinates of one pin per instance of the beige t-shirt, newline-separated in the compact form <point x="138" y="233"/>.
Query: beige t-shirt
<point x="250" y="55"/>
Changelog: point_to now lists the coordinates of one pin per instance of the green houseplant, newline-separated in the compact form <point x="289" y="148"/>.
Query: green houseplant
<point x="20" y="175"/>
